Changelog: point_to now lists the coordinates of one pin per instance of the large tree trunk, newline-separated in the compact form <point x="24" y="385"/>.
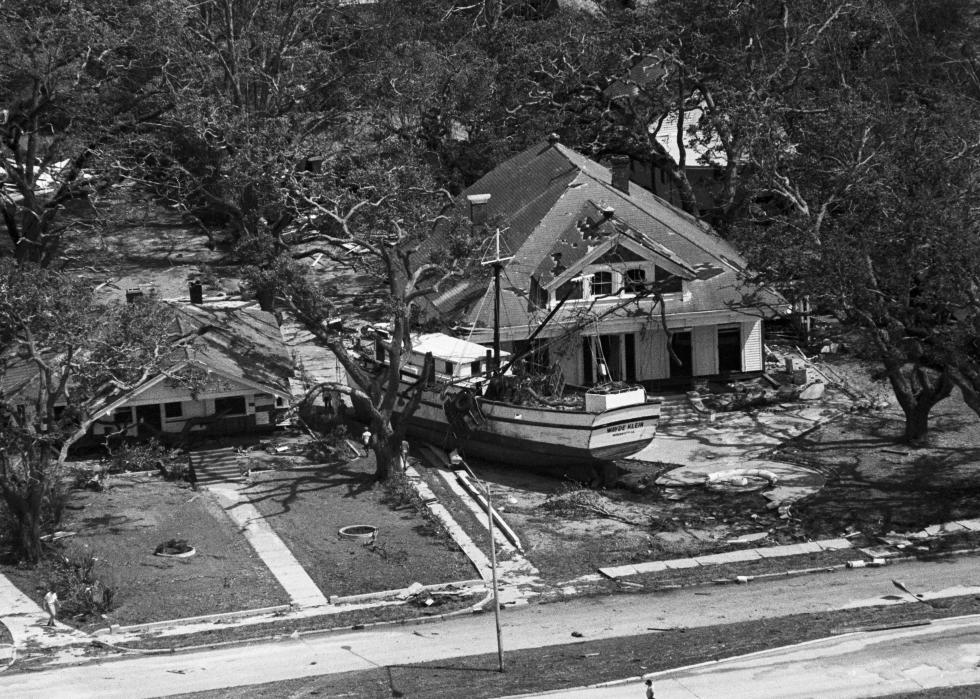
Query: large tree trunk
<point x="387" y="446"/>
<point x="917" y="423"/>
<point x="29" y="521"/>
<point x="918" y="389"/>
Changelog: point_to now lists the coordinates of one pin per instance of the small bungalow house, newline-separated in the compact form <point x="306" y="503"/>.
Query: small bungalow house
<point x="232" y="375"/>
<point x="650" y="293"/>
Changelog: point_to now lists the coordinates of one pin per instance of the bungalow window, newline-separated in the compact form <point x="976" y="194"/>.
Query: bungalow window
<point x="634" y="280"/>
<point x="602" y="284"/>
<point x="450" y="368"/>
<point x="668" y="282"/>
<point x="572" y="289"/>
<point x="122" y="416"/>
<point x="475" y="369"/>
<point x="233" y="405"/>
<point x="173" y="410"/>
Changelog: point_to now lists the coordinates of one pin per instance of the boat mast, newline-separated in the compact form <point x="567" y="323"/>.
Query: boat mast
<point x="498" y="264"/>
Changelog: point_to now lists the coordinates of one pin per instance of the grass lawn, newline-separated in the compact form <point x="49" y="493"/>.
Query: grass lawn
<point x="123" y="525"/>
<point x="308" y="504"/>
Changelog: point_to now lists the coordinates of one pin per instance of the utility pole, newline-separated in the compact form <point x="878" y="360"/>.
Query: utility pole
<point x="457" y="460"/>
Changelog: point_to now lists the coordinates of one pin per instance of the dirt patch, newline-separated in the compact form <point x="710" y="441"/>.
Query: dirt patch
<point x="876" y="484"/>
<point x="309" y="504"/>
<point x="124" y="524"/>
<point x="568" y="530"/>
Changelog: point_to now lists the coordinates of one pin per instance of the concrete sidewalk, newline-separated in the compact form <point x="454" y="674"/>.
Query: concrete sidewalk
<point x="26" y="622"/>
<point x="273" y="551"/>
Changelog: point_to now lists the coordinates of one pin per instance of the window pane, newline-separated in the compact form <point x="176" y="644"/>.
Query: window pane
<point x="635" y="279"/>
<point x="235" y="405"/>
<point x="173" y="409"/>
<point x="602" y="284"/>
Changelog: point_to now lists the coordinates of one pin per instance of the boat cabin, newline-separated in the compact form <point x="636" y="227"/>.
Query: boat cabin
<point x="455" y="358"/>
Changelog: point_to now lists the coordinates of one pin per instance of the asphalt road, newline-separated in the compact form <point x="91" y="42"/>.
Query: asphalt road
<point x="534" y="626"/>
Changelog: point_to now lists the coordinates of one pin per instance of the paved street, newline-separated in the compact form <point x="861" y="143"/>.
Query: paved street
<point x="527" y="627"/>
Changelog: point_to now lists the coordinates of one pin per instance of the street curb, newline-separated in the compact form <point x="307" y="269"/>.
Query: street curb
<point x="473" y="609"/>
<point x="174" y="623"/>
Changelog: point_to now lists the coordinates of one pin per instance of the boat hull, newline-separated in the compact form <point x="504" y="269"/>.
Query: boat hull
<point x="537" y="437"/>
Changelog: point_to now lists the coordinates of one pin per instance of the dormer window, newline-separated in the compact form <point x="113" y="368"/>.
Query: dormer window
<point x="572" y="288"/>
<point x="667" y="282"/>
<point x="634" y="280"/>
<point x="602" y="284"/>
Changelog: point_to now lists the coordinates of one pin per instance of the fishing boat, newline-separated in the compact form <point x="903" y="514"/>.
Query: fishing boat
<point x="477" y="403"/>
<point x="487" y="417"/>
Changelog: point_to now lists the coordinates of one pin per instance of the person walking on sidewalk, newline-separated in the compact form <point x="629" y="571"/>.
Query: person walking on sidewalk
<point x="51" y="604"/>
<point x="649" y="694"/>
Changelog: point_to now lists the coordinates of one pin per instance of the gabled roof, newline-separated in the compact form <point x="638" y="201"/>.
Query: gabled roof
<point x="243" y="343"/>
<point x="557" y="207"/>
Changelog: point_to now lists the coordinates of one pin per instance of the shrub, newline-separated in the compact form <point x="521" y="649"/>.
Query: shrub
<point x="146" y="456"/>
<point x="82" y="594"/>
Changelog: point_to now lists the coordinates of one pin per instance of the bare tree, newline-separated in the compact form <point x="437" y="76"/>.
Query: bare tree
<point x="62" y="358"/>
<point x="384" y="210"/>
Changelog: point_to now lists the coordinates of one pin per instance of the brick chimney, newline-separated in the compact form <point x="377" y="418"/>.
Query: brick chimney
<point x="478" y="208"/>
<point x="619" y="168"/>
<point x="196" y="290"/>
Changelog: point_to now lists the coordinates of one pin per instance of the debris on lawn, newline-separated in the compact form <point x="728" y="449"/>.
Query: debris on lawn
<point x="748" y="538"/>
<point x="412" y="590"/>
<point x="418" y="595"/>
<point x="57" y="535"/>
<point x="585" y="502"/>
<point x="175" y="548"/>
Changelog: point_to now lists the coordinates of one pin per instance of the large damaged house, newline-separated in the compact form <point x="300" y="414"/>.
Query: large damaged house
<point x="637" y="290"/>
